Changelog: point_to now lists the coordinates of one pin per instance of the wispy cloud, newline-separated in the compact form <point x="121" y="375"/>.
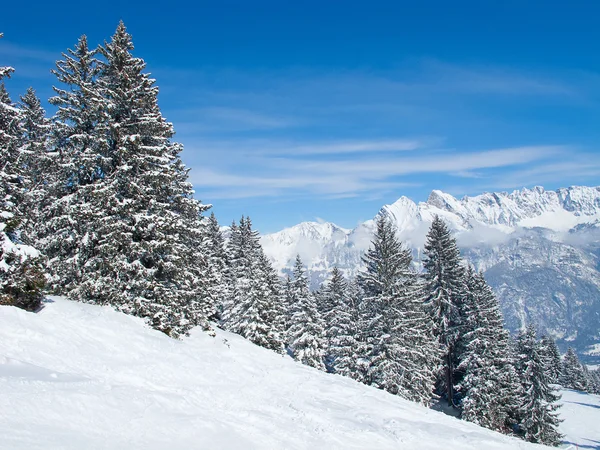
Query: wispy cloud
<point x="219" y="118"/>
<point x="265" y="175"/>
<point x="497" y="80"/>
<point x="574" y="167"/>
<point x="19" y="52"/>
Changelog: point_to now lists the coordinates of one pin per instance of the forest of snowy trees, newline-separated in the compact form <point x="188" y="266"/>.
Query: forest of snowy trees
<point x="96" y="206"/>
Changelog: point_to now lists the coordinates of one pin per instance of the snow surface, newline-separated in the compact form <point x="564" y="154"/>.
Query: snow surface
<point x="581" y="414"/>
<point x="81" y="376"/>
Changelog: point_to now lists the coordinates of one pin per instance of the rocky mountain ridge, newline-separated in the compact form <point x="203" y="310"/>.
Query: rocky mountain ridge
<point x="539" y="249"/>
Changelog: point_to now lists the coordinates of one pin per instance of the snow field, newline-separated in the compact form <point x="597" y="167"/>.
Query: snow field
<point x="80" y="376"/>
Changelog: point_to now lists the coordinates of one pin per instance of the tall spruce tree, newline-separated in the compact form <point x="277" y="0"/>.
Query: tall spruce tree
<point x="21" y="275"/>
<point x="490" y="390"/>
<point x="306" y="332"/>
<point x="539" y="419"/>
<point x="333" y="308"/>
<point x="552" y="360"/>
<point x="595" y="381"/>
<point x="343" y="331"/>
<point x="216" y="257"/>
<point x="254" y="311"/>
<point x="126" y="229"/>
<point x="34" y="161"/>
<point x="400" y="349"/>
<point x="444" y="287"/>
<point x="63" y="232"/>
<point x="573" y="374"/>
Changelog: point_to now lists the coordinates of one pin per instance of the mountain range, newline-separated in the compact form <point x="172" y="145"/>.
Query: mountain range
<point x="539" y="249"/>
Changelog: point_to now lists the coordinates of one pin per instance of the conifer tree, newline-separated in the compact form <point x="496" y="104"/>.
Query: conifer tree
<point x="333" y="293"/>
<point x="34" y="161"/>
<point x="145" y="225"/>
<point x="216" y="257"/>
<point x="400" y="349"/>
<point x="306" y="332"/>
<point x="125" y="229"/>
<point x="276" y="308"/>
<point x="444" y="279"/>
<point x="333" y="308"/>
<point x="539" y="419"/>
<point x="255" y="312"/>
<point x="573" y="375"/>
<point x="595" y="381"/>
<point x="490" y="389"/>
<point x="21" y="275"/>
<point x="63" y="232"/>
<point x="345" y="345"/>
<point x="287" y="300"/>
<point x="552" y="359"/>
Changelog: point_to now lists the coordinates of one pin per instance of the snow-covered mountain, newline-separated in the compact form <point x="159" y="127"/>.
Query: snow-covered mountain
<point x="539" y="249"/>
<point x="83" y="376"/>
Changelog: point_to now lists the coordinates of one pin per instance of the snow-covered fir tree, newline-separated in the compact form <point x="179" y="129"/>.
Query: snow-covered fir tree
<point x="306" y="332"/>
<point x="401" y="351"/>
<point x="34" y="161"/>
<point x="76" y="145"/>
<point x="254" y="311"/>
<point x="333" y="308"/>
<point x="573" y="374"/>
<point x="287" y="300"/>
<point x="444" y="279"/>
<point x="21" y="274"/>
<point x="276" y="311"/>
<point x="552" y="358"/>
<point x="125" y="229"/>
<point x="345" y="345"/>
<point x="216" y="256"/>
<point x="538" y="416"/>
<point x="333" y="293"/>
<point x="489" y="389"/>
<point x="595" y="381"/>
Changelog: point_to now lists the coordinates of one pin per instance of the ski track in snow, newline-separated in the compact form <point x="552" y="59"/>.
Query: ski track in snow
<point x="79" y="376"/>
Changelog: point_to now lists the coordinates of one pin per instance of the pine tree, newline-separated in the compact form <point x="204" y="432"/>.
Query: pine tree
<point x="306" y="333"/>
<point x="76" y="143"/>
<point x="334" y="310"/>
<point x="254" y="312"/>
<point x="595" y="381"/>
<point x="490" y="389"/>
<point x="34" y="161"/>
<point x="287" y="300"/>
<point x="145" y="225"/>
<point x="398" y="344"/>
<point x="539" y="419"/>
<point x="552" y="359"/>
<point x="275" y="309"/>
<point x="125" y="229"/>
<point x="11" y="176"/>
<point x="444" y="278"/>
<point x="573" y="375"/>
<point x="345" y="345"/>
<point x="216" y="257"/>
<point x="21" y="275"/>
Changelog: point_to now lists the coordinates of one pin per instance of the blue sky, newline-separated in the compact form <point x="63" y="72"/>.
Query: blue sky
<point x="293" y="111"/>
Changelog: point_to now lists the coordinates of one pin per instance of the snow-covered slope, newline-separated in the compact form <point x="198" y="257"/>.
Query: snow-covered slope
<point x="80" y="376"/>
<point x="539" y="249"/>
